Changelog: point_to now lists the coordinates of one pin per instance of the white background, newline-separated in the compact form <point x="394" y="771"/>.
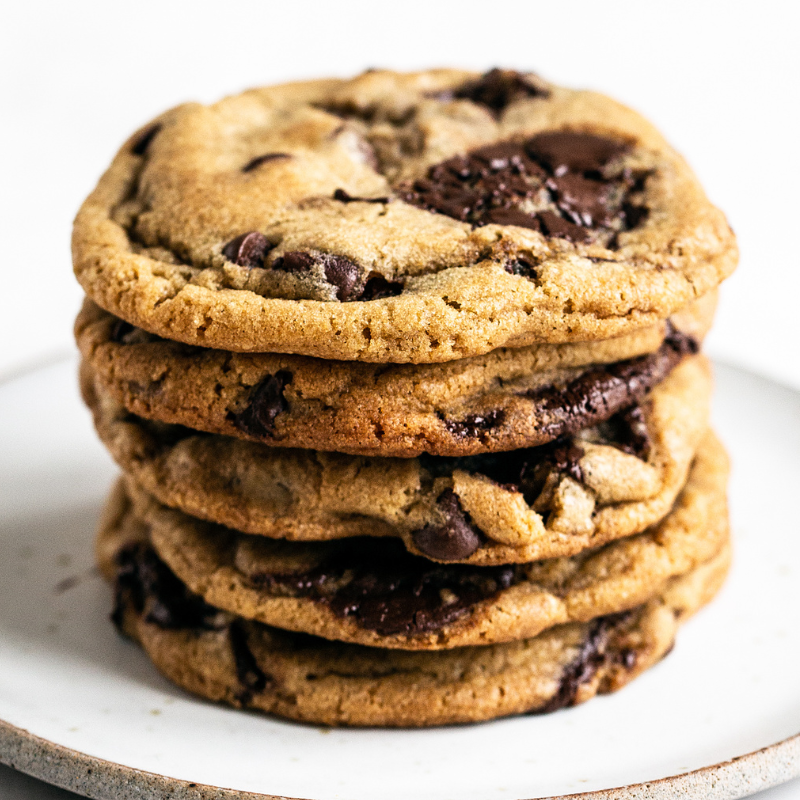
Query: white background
<point x="719" y="78"/>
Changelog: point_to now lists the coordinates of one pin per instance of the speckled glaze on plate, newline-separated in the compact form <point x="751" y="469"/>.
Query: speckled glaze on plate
<point x="83" y="709"/>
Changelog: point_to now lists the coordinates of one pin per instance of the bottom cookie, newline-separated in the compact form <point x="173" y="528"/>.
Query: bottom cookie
<point x="225" y="658"/>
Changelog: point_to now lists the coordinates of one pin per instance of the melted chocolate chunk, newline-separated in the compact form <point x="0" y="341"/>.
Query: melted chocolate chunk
<point x="343" y="197"/>
<point x="122" y="331"/>
<point x="561" y="457"/>
<point x="384" y="588"/>
<point x="582" y="200"/>
<point x="247" y="250"/>
<point x="142" y="142"/>
<point x="144" y="581"/>
<point x="339" y="271"/>
<point x="476" y="425"/>
<point x="591" y="657"/>
<point x="601" y="392"/>
<point x="251" y="677"/>
<point x="266" y="402"/>
<point x="377" y="287"/>
<point x="628" y="431"/>
<point x="259" y="160"/>
<point x="556" y="183"/>
<point x="566" y="151"/>
<point x="452" y="540"/>
<point x="561" y="228"/>
<point x="498" y="89"/>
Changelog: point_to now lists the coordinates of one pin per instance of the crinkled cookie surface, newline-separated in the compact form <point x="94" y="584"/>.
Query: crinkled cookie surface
<point x="394" y="217"/>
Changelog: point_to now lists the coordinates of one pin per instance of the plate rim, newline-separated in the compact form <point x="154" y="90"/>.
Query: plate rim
<point x="102" y="779"/>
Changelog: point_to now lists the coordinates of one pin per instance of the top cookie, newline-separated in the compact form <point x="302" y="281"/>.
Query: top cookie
<point x="416" y="218"/>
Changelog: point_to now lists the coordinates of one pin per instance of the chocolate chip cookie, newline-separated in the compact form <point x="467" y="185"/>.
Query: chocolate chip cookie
<point x="371" y="591"/>
<point x="508" y="399"/>
<point x="605" y="482"/>
<point x="232" y="660"/>
<point x="393" y="217"/>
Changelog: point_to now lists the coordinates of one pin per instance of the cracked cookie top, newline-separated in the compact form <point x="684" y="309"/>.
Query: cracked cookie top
<point x="399" y="218"/>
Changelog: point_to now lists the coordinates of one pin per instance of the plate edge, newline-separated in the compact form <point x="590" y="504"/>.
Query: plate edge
<point x="105" y="780"/>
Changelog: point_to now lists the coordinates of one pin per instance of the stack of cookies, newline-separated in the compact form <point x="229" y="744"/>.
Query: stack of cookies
<point x="403" y="375"/>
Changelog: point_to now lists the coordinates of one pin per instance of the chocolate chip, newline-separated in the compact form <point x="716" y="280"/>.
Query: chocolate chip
<point x="567" y="151"/>
<point x="343" y="197"/>
<point x="452" y="540"/>
<point x="247" y="250"/>
<point x="295" y="261"/>
<point x="266" y="402"/>
<point x="343" y="274"/>
<point x="259" y="160"/>
<point x="498" y="89"/>
<point x="477" y="425"/>
<point x="142" y="141"/>
<point x="339" y="271"/>
<point x="251" y="677"/>
<point x="378" y="287"/>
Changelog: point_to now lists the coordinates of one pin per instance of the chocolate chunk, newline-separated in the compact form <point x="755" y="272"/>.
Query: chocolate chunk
<point x="259" y="160"/>
<point x="452" y="540"/>
<point x="512" y="216"/>
<point x="247" y="250"/>
<point x="122" y="331"/>
<point x="343" y="274"/>
<point x="561" y="457"/>
<point x="295" y="261"/>
<point x="251" y="677"/>
<point x="634" y="215"/>
<point x="339" y="271"/>
<point x="144" y="581"/>
<point x="592" y="655"/>
<point x="343" y="197"/>
<point x="567" y="151"/>
<point x="383" y="588"/>
<point x="142" y="141"/>
<point x="266" y="402"/>
<point x="524" y="267"/>
<point x="628" y="431"/>
<point x="582" y="200"/>
<point x="552" y="183"/>
<point x="477" y="425"/>
<point x="377" y="287"/>
<point x="561" y="228"/>
<point x="498" y="89"/>
<point x="603" y="391"/>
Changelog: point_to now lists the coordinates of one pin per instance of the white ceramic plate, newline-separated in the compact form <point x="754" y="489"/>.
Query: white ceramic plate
<point x="83" y="708"/>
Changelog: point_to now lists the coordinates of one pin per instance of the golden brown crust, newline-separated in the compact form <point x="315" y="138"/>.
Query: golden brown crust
<point x="350" y="407"/>
<point x="331" y="683"/>
<point x="306" y="495"/>
<point x="147" y="243"/>
<point x="226" y="569"/>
